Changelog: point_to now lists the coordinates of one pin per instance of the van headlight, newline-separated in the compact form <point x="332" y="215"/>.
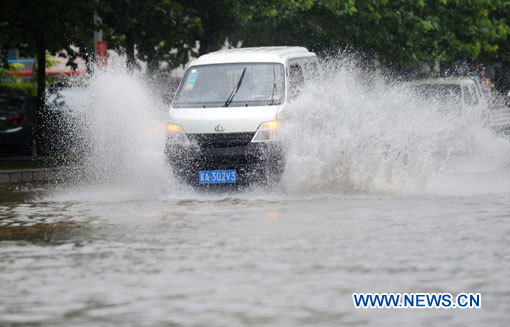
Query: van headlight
<point x="174" y="128"/>
<point x="267" y="131"/>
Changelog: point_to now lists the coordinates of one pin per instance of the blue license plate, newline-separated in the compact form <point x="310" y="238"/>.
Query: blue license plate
<point x="217" y="176"/>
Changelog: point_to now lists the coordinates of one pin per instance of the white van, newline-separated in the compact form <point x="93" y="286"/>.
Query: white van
<point x="226" y="114"/>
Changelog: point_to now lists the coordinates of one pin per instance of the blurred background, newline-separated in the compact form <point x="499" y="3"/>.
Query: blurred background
<point x="48" y="45"/>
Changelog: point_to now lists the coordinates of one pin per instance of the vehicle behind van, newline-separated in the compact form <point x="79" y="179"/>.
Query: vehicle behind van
<point x="460" y="92"/>
<point x="466" y="94"/>
<point x="17" y="122"/>
<point x="225" y="118"/>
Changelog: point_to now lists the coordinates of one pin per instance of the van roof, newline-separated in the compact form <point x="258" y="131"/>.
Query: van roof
<point x="260" y="54"/>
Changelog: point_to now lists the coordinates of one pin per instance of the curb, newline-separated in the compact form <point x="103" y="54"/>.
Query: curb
<point x="33" y="175"/>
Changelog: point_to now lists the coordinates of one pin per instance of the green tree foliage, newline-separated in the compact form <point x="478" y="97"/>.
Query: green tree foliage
<point x="217" y="20"/>
<point x="502" y="17"/>
<point x="160" y="30"/>
<point x="402" y="32"/>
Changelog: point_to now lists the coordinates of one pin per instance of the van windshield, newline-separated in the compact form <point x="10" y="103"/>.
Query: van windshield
<point x="232" y="85"/>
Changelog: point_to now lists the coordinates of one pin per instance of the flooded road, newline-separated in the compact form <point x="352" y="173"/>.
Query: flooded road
<point x="103" y="257"/>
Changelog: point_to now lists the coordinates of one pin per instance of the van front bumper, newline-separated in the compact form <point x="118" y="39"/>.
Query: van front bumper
<point x="254" y="162"/>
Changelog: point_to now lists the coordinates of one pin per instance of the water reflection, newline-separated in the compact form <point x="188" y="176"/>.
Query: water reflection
<point x="272" y="214"/>
<point x="51" y="233"/>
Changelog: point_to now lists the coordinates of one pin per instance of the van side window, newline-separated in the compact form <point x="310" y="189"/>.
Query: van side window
<point x="309" y="70"/>
<point x="296" y="80"/>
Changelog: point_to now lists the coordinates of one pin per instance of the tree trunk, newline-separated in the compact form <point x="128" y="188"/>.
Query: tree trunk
<point x="130" y="52"/>
<point x="41" y="95"/>
<point x="152" y="64"/>
<point x="204" y="45"/>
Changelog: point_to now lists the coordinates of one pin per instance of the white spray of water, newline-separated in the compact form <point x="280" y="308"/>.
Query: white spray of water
<point x="348" y="132"/>
<point x="123" y="129"/>
<point x="352" y="132"/>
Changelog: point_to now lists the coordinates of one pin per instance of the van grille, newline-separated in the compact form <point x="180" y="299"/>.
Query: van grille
<point x="221" y="140"/>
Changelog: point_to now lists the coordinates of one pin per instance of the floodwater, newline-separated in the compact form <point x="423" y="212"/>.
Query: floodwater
<point x="248" y="259"/>
<point x="374" y="199"/>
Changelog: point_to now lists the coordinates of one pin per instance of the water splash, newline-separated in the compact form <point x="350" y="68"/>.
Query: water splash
<point x="353" y="131"/>
<point x="349" y="131"/>
<point x="122" y="133"/>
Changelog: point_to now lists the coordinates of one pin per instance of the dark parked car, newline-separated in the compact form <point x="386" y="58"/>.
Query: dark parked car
<point x="17" y="122"/>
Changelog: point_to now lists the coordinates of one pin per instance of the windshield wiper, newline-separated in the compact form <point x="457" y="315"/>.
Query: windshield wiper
<point x="234" y="91"/>
<point x="274" y="87"/>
